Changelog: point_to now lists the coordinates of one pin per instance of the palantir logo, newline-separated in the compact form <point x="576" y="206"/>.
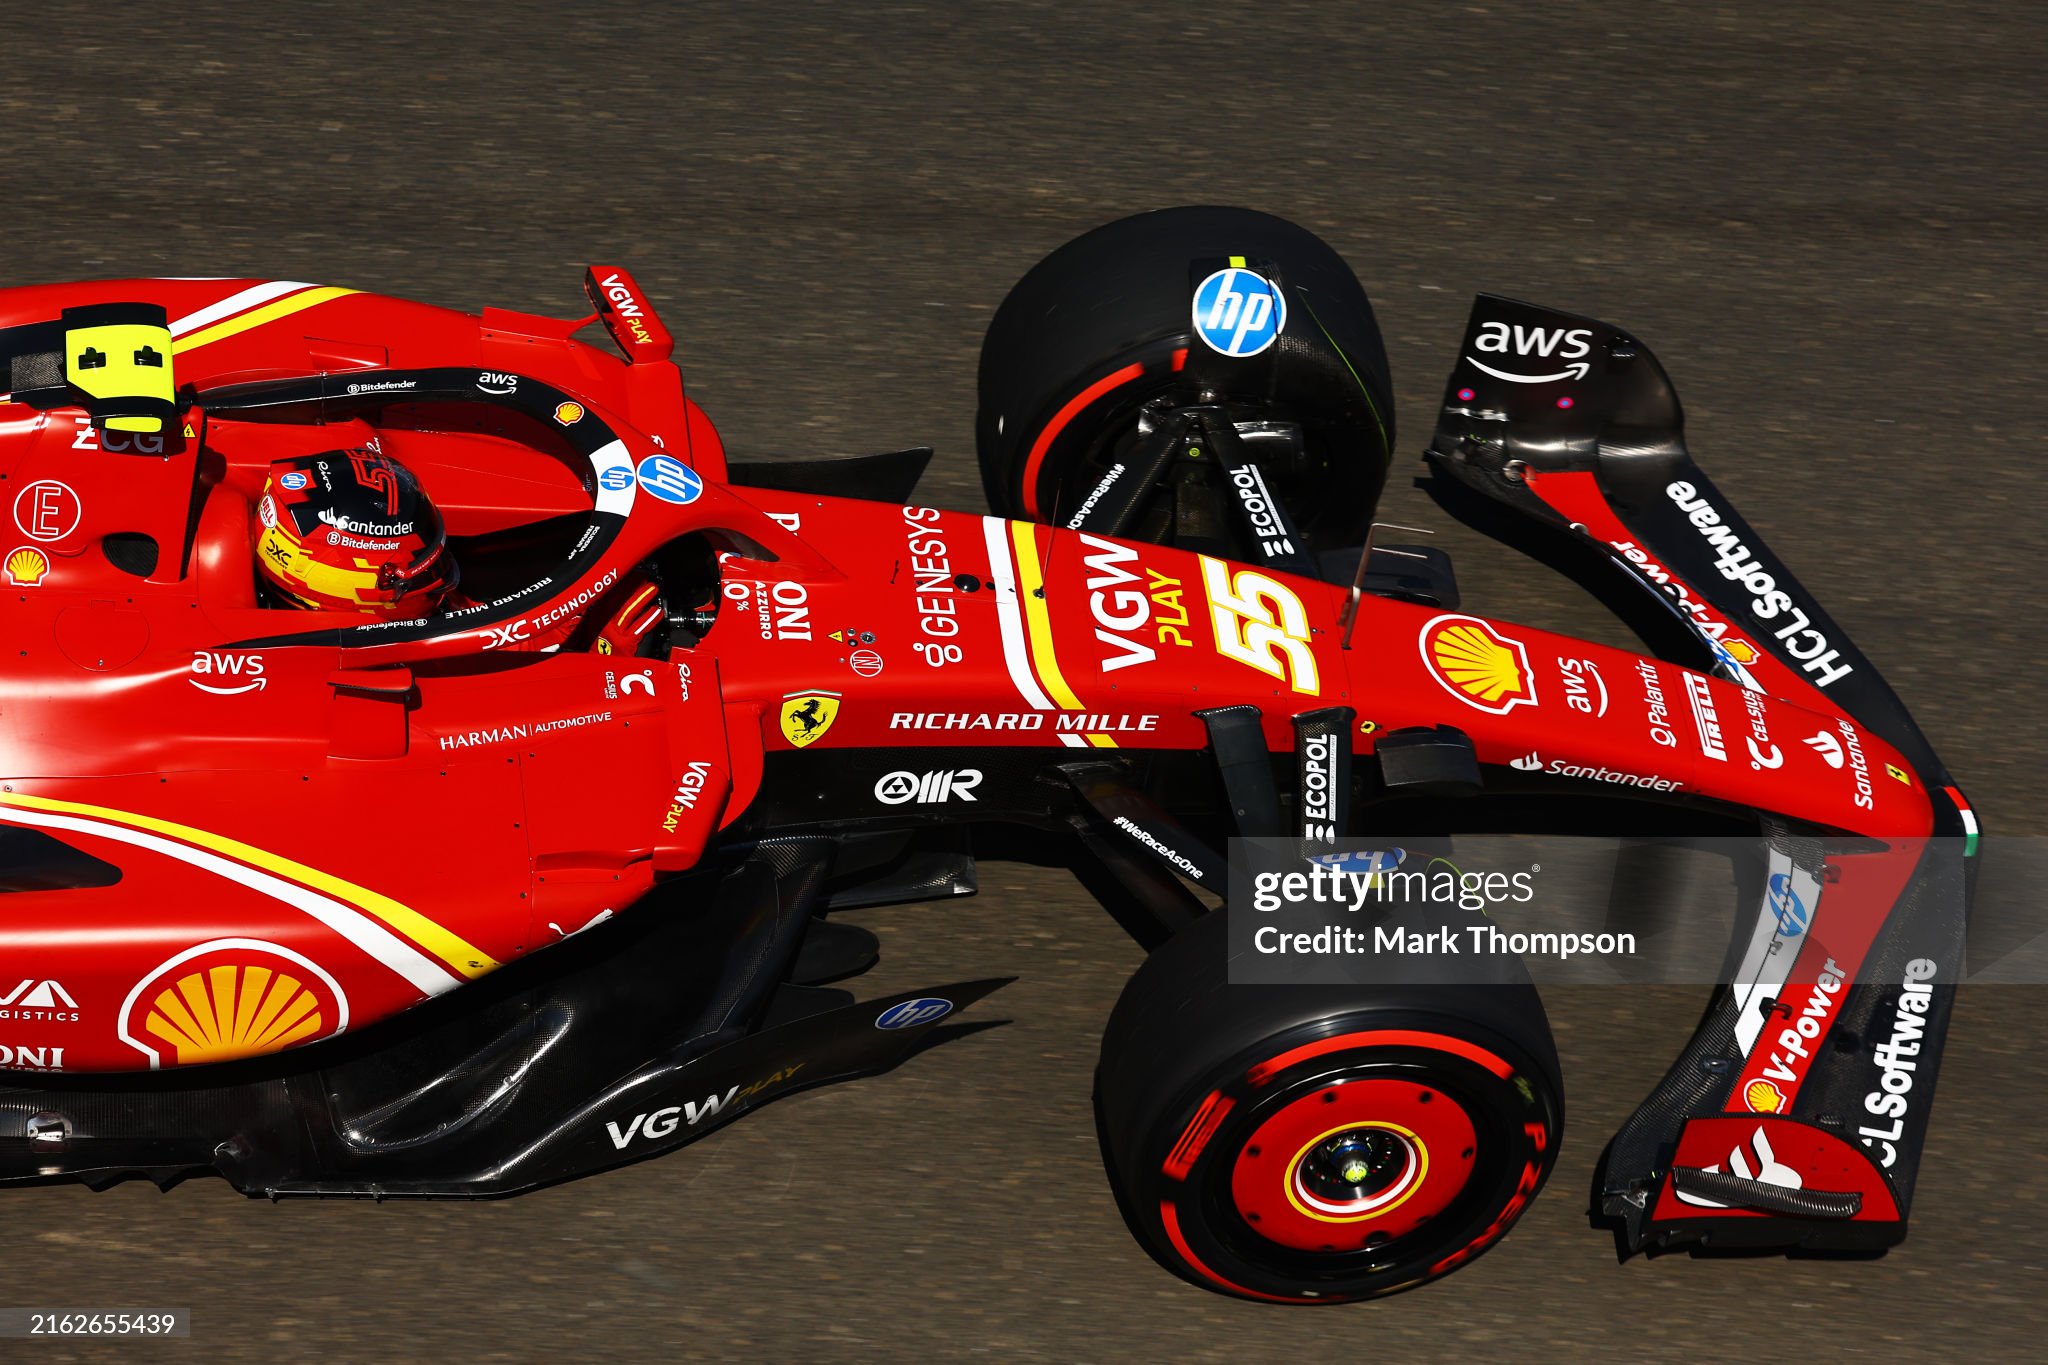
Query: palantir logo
<point x="911" y="1013"/>
<point x="1239" y="312"/>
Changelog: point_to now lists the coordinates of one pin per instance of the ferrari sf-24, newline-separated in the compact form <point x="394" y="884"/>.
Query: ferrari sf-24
<point x="431" y="766"/>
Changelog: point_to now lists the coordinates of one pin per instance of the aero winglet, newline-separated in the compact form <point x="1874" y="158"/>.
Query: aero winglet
<point x="627" y="315"/>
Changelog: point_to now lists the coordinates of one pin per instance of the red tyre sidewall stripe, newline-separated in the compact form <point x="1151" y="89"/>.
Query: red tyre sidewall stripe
<point x="1439" y="1042"/>
<point x="1036" y="459"/>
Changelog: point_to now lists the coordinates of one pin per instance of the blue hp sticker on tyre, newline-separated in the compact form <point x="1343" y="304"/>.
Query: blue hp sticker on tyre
<point x="670" y="479"/>
<point x="1238" y="312"/>
<point x="911" y="1013"/>
<point x="614" y="479"/>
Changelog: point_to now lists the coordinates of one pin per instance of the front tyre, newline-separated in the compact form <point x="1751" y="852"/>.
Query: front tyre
<point x="1321" y="1144"/>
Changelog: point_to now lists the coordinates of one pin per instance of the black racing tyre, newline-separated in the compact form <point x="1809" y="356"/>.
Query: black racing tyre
<point x="1310" y="1144"/>
<point x="1106" y="324"/>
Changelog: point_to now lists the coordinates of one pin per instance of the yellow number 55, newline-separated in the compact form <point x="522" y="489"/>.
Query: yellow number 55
<point x="1259" y="621"/>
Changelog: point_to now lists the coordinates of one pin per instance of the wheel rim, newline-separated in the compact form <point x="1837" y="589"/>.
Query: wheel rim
<point x="1353" y="1164"/>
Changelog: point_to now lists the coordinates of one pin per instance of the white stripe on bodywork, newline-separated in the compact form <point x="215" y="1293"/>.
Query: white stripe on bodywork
<point x="236" y="303"/>
<point x="1002" y="581"/>
<point x="423" y="972"/>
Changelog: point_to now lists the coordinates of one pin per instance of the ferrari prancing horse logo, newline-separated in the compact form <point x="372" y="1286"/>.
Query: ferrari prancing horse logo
<point x="806" y="716"/>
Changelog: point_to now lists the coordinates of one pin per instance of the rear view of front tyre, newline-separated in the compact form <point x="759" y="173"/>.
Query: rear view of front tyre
<point x="1306" y="1144"/>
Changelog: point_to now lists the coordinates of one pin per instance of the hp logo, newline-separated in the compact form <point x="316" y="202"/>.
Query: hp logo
<point x="911" y="1013"/>
<point x="1239" y="312"/>
<point x="670" y="479"/>
<point x="615" y="478"/>
<point x="1791" y="911"/>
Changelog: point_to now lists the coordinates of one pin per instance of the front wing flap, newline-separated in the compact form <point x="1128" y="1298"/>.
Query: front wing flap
<point x="1795" y="1116"/>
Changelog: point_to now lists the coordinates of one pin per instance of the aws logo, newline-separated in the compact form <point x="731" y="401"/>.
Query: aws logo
<point x="1534" y="343"/>
<point x="248" y="667"/>
<point x="1477" y="664"/>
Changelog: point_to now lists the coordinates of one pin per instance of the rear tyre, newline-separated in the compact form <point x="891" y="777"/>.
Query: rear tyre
<point x="1104" y="326"/>
<point x="1305" y="1144"/>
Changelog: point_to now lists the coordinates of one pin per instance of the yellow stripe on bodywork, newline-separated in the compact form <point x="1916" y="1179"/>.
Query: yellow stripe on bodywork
<point x="462" y="957"/>
<point x="1038" y="624"/>
<point x="256" y="317"/>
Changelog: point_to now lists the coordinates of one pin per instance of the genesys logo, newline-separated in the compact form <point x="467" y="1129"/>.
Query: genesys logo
<point x="35" y="1001"/>
<point x="1477" y="664"/>
<point x="928" y="789"/>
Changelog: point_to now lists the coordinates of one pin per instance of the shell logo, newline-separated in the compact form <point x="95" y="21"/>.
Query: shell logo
<point x="1742" y="651"/>
<point x="1763" y="1098"/>
<point x="1477" y="664"/>
<point x="26" y="567"/>
<point x="568" y="414"/>
<point x="233" y="997"/>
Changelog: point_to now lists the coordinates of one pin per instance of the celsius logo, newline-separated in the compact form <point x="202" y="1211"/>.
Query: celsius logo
<point x="928" y="789"/>
<point x="670" y="479"/>
<point x="911" y="1013"/>
<point x="1498" y="338"/>
<point x="1239" y="312"/>
<point x="1793" y="916"/>
<point x="1828" y="747"/>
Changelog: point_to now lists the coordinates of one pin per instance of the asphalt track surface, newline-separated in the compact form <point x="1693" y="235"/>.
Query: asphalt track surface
<point x="1826" y="219"/>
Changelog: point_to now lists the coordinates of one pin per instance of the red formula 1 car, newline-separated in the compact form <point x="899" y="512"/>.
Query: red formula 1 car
<point x="467" y="903"/>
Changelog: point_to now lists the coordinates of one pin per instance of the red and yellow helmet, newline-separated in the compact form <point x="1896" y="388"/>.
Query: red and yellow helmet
<point x="351" y="530"/>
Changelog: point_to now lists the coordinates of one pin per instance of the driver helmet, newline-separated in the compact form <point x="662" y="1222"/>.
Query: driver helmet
<point x="351" y="530"/>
